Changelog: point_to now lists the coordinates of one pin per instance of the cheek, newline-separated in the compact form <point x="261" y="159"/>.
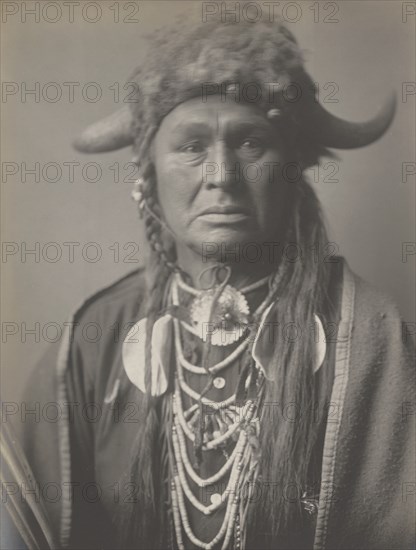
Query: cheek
<point x="176" y="188"/>
<point x="268" y="202"/>
<point x="266" y="184"/>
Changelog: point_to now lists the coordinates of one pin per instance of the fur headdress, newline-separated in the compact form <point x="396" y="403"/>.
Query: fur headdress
<point x="253" y="62"/>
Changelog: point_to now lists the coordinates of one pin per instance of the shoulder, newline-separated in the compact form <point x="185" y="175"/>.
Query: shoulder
<point x="97" y="330"/>
<point x="371" y="301"/>
<point x="378" y="333"/>
<point x="122" y="298"/>
<point x="88" y="328"/>
<point x="90" y="346"/>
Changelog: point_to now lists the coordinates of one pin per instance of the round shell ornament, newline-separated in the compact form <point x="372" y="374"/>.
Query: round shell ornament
<point x="227" y="321"/>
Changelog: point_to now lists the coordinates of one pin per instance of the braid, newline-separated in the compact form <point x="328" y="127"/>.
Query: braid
<point x="149" y="206"/>
<point x="154" y="225"/>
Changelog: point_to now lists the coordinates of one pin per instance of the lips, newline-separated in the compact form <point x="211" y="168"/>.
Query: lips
<point x="224" y="214"/>
<point x="225" y="210"/>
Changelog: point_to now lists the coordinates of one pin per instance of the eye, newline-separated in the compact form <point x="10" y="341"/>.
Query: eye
<point x="248" y="142"/>
<point x="195" y="147"/>
<point x="192" y="151"/>
<point x="251" y="146"/>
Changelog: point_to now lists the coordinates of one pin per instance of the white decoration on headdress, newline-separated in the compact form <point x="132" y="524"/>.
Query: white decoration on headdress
<point x="231" y="88"/>
<point x="273" y="113"/>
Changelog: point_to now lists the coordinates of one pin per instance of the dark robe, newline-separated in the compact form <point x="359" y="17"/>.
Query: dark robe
<point x="366" y="460"/>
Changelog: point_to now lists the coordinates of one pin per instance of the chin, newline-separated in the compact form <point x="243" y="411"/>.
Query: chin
<point x="224" y="244"/>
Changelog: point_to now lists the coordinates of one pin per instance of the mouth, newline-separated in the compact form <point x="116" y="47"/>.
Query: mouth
<point x="224" y="214"/>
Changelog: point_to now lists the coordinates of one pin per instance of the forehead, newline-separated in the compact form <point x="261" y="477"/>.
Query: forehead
<point x="213" y="112"/>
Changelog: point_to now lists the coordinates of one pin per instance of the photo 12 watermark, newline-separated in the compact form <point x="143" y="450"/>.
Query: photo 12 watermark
<point x="70" y="12"/>
<point x="33" y="92"/>
<point x="289" y="12"/>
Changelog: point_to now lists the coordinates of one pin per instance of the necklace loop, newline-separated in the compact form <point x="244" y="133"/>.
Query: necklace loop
<point x="216" y="270"/>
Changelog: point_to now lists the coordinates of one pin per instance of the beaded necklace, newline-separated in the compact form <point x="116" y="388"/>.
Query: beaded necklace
<point x="230" y="423"/>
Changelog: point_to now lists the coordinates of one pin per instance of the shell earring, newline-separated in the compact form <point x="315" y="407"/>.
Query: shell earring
<point x="138" y="193"/>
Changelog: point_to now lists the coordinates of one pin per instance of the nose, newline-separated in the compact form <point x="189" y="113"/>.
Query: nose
<point x="221" y="167"/>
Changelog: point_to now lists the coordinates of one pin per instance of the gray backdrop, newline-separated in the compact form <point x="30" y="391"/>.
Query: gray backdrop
<point x="370" y="210"/>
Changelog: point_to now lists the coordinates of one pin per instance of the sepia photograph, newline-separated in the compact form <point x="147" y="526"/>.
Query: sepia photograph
<point x="208" y="292"/>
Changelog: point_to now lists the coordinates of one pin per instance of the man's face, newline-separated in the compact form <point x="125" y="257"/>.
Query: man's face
<point x="218" y="167"/>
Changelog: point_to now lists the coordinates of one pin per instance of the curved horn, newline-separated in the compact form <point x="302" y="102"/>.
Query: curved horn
<point x="114" y="131"/>
<point x="108" y="134"/>
<point x="337" y="133"/>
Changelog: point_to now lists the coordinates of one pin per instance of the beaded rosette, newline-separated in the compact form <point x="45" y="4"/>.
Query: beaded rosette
<point x="224" y="320"/>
